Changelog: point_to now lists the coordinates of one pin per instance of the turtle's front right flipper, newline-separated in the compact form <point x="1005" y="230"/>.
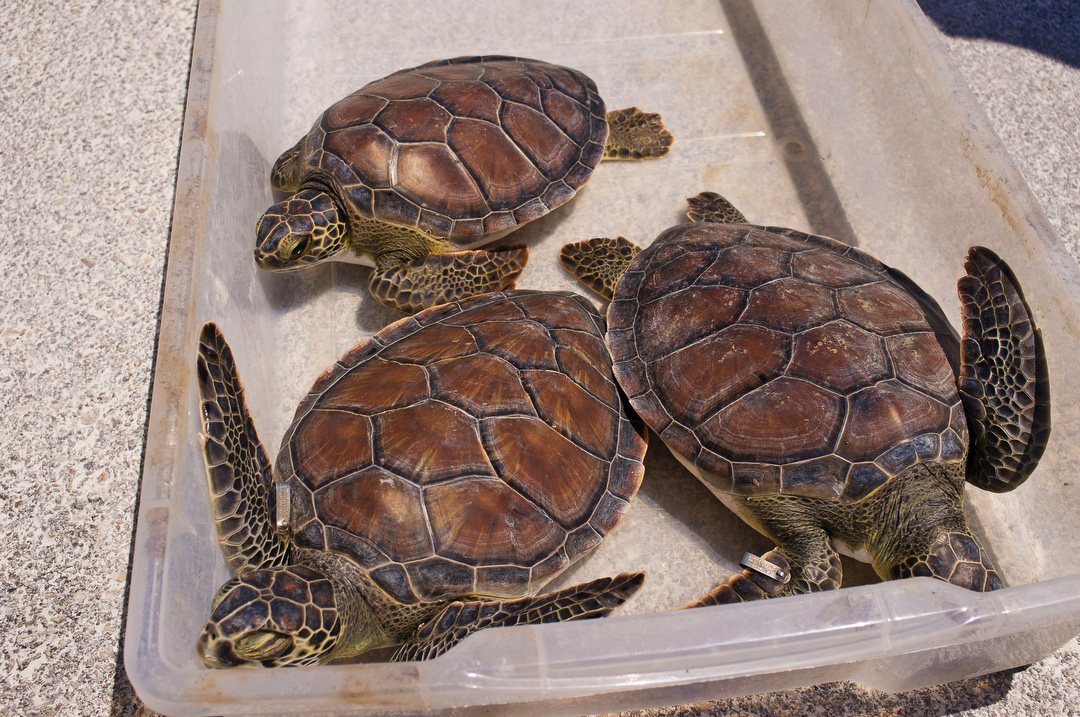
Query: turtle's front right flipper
<point x="460" y="619"/>
<point x="237" y="469"/>
<point x="711" y="207"/>
<point x="1003" y="378"/>
<point x="440" y="278"/>
<point x="598" y="263"/>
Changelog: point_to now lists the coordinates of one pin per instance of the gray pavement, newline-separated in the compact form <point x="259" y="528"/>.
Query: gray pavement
<point x="91" y="106"/>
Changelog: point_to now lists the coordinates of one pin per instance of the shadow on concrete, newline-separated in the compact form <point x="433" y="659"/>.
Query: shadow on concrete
<point x="1049" y="27"/>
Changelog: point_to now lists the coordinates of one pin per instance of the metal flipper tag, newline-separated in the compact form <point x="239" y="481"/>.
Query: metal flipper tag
<point x="764" y="567"/>
<point x="283" y="507"/>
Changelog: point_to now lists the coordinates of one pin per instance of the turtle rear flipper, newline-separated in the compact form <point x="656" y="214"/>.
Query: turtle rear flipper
<point x="633" y="134"/>
<point x="807" y="563"/>
<point x="754" y="584"/>
<point x="441" y="278"/>
<point x="955" y="557"/>
<point x="598" y="263"/>
<point x="237" y="469"/>
<point x="460" y="619"/>
<point x="1003" y="377"/>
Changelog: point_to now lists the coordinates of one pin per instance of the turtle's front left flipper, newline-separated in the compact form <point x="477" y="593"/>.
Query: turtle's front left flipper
<point x="633" y="134"/>
<point x="1003" y="378"/>
<point x="460" y="619"/>
<point x="440" y="278"/>
<point x="237" y="469"/>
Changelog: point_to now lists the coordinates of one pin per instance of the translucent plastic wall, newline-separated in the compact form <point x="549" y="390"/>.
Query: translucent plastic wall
<point x="837" y="118"/>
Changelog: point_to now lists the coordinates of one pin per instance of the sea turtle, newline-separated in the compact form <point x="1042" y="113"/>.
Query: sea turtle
<point x="436" y="474"/>
<point x="412" y="172"/>
<point x="822" y="395"/>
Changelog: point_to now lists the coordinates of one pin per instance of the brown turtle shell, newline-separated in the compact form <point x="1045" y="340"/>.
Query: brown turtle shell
<point x="474" y="448"/>
<point x="461" y="148"/>
<point x="783" y="362"/>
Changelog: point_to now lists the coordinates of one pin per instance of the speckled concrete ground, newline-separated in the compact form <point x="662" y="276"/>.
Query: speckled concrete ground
<point x="91" y="106"/>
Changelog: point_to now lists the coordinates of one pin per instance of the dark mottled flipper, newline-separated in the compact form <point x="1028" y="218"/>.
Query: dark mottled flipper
<point x="579" y="602"/>
<point x="236" y="465"/>
<point x="711" y="207"/>
<point x="285" y="174"/>
<point x="956" y="558"/>
<point x="441" y="278"/>
<point x="598" y="263"/>
<point x="817" y="569"/>
<point x="633" y="134"/>
<point x="1003" y="379"/>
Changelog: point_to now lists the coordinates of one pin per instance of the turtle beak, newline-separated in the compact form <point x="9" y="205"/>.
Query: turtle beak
<point x="264" y="646"/>
<point x="269" y="232"/>
<point x="215" y="652"/>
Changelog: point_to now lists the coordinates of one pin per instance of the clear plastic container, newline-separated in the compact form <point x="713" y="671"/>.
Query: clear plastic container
<point x="838" y="118"/>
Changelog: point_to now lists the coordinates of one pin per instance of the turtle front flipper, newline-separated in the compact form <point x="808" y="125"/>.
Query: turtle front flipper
<point x="633" y="134"/>
<point x="237" y="469"/>
<point x="459" y="619"/>
<point x="285" y="175"/>
<point x="598" y="263"/>
<point x="1003" y="377"/>
<point x="440" y="278"/>
<point x="711" y="207"/>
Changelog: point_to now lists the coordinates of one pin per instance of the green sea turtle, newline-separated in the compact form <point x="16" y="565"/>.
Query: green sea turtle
<point x="413" y="172"/>
<point x="822" y="395"/>
<point x="434" y="476"/>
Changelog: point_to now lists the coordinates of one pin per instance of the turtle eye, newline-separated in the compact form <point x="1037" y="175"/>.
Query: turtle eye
<point x="293" y="247"/>
<point x="299" y="248"/>
<point x="263" y="645"/>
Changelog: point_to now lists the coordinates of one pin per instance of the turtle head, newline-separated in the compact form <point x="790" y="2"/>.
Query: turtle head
<point x="302" y="230"/>
<point x="273" y="617"/>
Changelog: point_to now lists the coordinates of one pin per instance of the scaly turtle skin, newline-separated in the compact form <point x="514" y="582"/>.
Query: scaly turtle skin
<point x="822" y="395"/>
<point x="433" y="477"/>
<point x="414" y="171"/>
